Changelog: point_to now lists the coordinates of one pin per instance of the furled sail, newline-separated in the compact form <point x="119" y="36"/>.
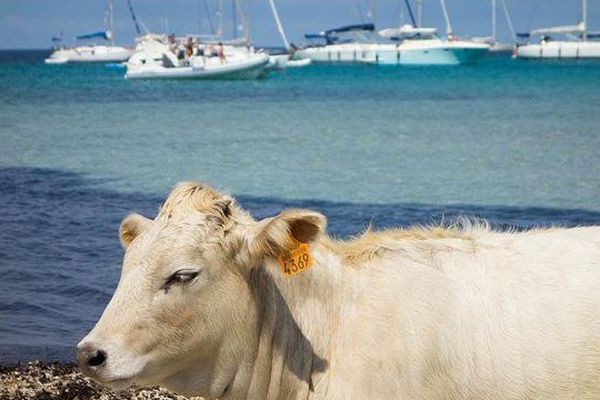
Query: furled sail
<point x="560" y="30"/>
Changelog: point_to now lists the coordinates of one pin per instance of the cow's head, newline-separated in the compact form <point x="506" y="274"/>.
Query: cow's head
<point x="184" y="314"/>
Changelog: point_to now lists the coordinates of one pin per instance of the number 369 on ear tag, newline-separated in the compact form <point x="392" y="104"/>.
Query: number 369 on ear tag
<point x="296" y="258"/>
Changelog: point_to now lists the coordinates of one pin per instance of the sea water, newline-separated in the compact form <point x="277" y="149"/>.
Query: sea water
<point x="515" y="142"/>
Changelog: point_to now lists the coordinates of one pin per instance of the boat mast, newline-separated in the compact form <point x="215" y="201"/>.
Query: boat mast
<point x="410" y="13"/>
<point x="109" y="22"/>
<point x="243" y="20"/>
<point x="279" y="26"/>
<point x="372" y="11"/>
<point x="584" y="18"/>
<point x="139" y="26"/>
<point x="494" y="20"/>
<point x="220" y="28"/>
<point x="509" y="20"/>
<point x="419" y="13"/>
<point x="447" y="18"/>
<point x="234" y="18"/>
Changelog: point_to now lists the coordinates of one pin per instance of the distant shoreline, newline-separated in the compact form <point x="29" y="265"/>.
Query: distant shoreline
<point x="47" y="49"/>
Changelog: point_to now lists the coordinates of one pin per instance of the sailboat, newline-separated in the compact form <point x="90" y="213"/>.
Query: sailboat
<point x="344" y="44"/>
<point x="93" y="52"/>
<point x="578" y="45"/>
<point x="495" y="45"/>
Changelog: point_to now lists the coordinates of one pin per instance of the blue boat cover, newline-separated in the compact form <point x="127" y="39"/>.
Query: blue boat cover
<point x="102" y="35"/>
<point x="351" y="28"/>
<point x="329" y="35"/>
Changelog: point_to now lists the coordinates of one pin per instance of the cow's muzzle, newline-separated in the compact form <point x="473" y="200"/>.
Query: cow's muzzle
<point x="90" y="358"/>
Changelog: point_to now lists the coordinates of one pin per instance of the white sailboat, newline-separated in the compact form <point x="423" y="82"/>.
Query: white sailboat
<point x="578" y="45"/>
<point x="346" y="44"/>
<point x="93" y="52"/>
<point x="495" y="45"/>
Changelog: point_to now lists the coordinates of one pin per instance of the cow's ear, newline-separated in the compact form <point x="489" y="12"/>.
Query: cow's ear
<point x="269" y="237"/>
<point x="131" y="227"/>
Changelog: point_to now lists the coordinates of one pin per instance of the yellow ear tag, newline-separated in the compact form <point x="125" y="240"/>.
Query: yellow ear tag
<point x="296" y="258"/>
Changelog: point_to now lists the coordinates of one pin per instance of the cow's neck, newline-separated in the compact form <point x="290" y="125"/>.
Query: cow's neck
<point x="299" y="318"/>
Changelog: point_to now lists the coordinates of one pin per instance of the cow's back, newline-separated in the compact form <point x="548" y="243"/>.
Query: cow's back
<point x="498" y="316"/>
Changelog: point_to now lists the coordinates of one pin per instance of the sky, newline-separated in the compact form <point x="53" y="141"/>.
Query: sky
<point x="30" y="24"/>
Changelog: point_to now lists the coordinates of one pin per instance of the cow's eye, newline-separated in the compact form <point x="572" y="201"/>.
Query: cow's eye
<point x="182" y="277"/>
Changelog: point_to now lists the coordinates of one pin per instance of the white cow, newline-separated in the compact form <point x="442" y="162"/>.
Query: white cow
<point x="214" y="303"/>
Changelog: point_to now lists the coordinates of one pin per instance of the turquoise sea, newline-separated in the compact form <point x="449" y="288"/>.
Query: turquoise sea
<point x="516" y="142"/>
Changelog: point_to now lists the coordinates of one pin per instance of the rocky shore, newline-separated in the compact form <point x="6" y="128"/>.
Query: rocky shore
<point x="50" y="381"/>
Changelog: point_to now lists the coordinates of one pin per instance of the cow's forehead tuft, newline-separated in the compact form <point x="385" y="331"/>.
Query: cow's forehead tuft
<point x="189" y="197"/>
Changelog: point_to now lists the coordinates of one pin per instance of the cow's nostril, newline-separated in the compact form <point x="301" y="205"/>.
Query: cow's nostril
<point x="97" y="359"/>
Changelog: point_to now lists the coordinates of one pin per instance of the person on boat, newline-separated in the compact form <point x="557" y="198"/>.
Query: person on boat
<point x="221" y="52"/>
<point x="172" y="44"/>
<point x="209" y="51"/>
<point x="188" y="51"/>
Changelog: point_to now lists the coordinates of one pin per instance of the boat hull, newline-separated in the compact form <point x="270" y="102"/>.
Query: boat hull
<point x="90" y="54"/>
<point x="421" y="52"/>
<point x="560" y="50"/>
<point x="278" y="61"/>
<point x="342" y="53"/>
<point x="283" y="61"/>
<point x="248" y="69"/>
<point x="442" y="55"/>
<point x="297" y="63"/>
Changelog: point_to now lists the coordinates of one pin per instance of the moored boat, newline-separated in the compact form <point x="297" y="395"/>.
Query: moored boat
<point x="93" y="52"/>
<point x="577" y="43"/>
<point x="421" y="46"/>
<point x="89" y="53"/>
<point x="236" y="65"/>
<point x="346" y="44"/>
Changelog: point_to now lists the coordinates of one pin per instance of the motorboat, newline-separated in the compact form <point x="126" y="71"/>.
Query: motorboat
<point x="577" y="45"/>
<point x="92" y="52"/>
<point x="422" y="46"/>
<point x="234" y="64"/>
<point x="409" y="44"/>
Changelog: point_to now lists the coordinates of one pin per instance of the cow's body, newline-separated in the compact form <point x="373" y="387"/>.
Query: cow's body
<point x="494" y="316"/>
<point x="404" y="314"/>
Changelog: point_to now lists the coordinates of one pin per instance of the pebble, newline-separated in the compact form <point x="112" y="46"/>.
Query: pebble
<point x="57" y="381"/>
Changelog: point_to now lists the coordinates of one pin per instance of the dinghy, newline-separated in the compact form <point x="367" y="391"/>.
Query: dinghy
<point x="235" y="65"/>
<point x="288" y="59"/>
